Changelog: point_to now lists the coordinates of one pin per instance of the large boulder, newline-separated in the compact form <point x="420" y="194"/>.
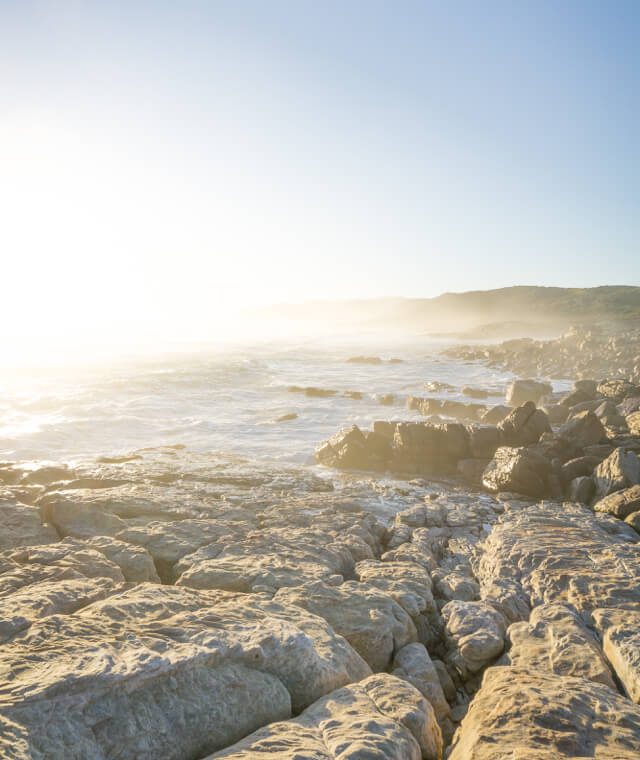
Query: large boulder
<point x="524" y="425"/>
<point x="380" y="717"/>
<point x="585" y="429"/>
<point x="621" y="469"/>
<point x="633" y="423"/>
<point x="521" y="391"/>
<point x="618" y="390"/>
<point x="620" y="503"/>
<point x="521" y="470"/>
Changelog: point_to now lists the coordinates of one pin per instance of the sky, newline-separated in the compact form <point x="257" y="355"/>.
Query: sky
<point x="165" y="164"/>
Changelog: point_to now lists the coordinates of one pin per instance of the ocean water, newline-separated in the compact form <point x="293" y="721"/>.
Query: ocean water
<point x="223" y="400"/>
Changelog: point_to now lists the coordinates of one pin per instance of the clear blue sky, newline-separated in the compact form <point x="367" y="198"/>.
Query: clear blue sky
<point x="232" y="152"/>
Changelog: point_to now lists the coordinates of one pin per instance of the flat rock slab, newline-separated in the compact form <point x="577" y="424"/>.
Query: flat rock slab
<point x="620" y="632"/>
<point x="166" y="672"/>
<point x="518" y="713"/>
<point x="380" y="718"/>
<point x="556" y="640"/>
<point x="564" y="553"/>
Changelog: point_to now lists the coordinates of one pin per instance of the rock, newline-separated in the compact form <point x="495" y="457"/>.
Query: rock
<point x="581" y="489"/>
<point x="472" y="470"/>
<point x="556" y="413"/>
<point x="521" y="391"/>
<point x="483" y="441"/>
<point x="408" y="583"/>
<point x="520" y="470"/>
<point x="620" y="633"/>
<point x="495" y="414"/>
<point x="373" y="623"/>
<point x="619" y="470"/>
<point x="364" y="360"/>
<point x="629" y="406"/>
<point x="524" y="425"/>
<point x="475" y="392"/>
<point x="23" y="526"/>
<point x="589" y="387"/>
<point x="634" y="521"/>
<point x="477" y="631"/>
<point x="578" y="467"/>
<point x="312" y="391"/>
<point x="413" y="664"/>
<point x="585" y="429"/>
<point x="386" y="399"/>
<point x="287" y="417"/>
<point x="555" y="640"/>
<point x="620" y="503"/>
<point x="633" y="423"/>
<point x="72" y="518"/>
<point x="380" y="717"/>
<point x="448" y="687"/>
<point x="166" y="672"/>
<point x="135" y="562"/>
<point x="44" y="476"/>
<point x="563" y="553"/>
<point x="618" y="390"/>
<point x="522" y="714"/>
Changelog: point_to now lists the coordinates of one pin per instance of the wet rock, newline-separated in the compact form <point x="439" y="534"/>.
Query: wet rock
<point x="520" y="470"/>
<point x="382" y="717"/>
<point x="621" y="504"/>
<point x="556" y="640"/>
<point x="620" y="633"/>
<point x="386" y="399"/>
<point x="524" y="714"/>
<point x="521" y="391"/>
<point x="44" y="476"/>
<point x="287" y="417"/>
<point x="371" y="621"/>
<point x="634" y="521"/>
<point x="618" y="471"/>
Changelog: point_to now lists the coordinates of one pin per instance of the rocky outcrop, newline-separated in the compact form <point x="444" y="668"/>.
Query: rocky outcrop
<point x="619" y="630"/>
<point x="619" y="471"/>
<point x="621" y="504"/>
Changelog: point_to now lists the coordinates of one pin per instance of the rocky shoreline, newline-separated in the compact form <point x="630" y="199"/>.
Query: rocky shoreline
<point x="465" y="588"/>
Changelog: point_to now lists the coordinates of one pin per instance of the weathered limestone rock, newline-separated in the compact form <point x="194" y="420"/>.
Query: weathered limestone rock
<point x="620" y="632"/>
<point x="521" y="391"/>
<point x="380" y="717"/>
<point x="135" y="562"/>
<point x="564" y="553"/>
<point x="620" y="503"/>
<point x="617" y="389"/>
<point x="555" y="640"/>
<point x="621" y="469"/>
<point x="165" y="672"/>
<point x="536" y="716"/>
<point x="372" y="622"/>
<point x="71" y="517"/>
<point x="22" y="526"/>
<point x="406" y="582"/>
<point x="520" y="470"/>
<point x="478" y="632"/>
<point x="524" y="425"/>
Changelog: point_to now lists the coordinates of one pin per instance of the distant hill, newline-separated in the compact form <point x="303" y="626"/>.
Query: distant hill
<point x="480" y="311"/>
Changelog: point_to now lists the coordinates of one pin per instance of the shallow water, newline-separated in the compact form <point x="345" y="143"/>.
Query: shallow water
<point x="225" y="400"/>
